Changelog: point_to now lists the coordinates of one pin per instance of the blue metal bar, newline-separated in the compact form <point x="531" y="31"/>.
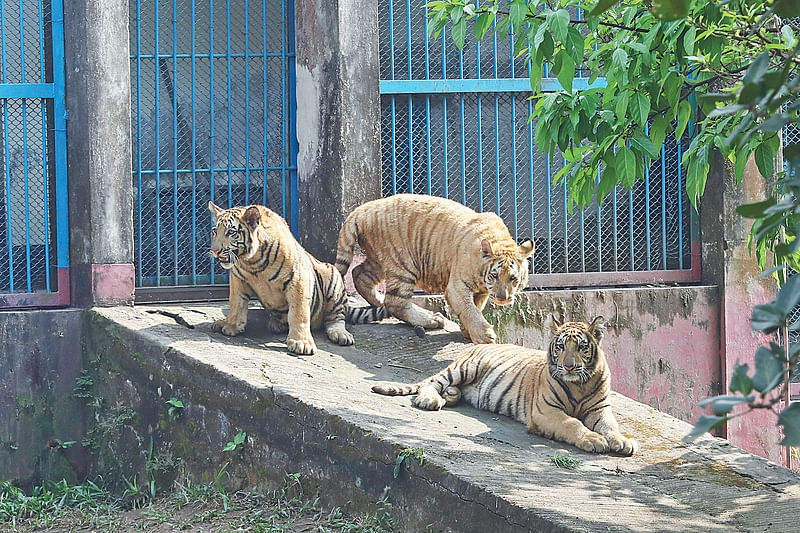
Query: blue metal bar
<point x="463" y="147"/>
<point x="514" y="163"/>
<point x="599" y="229"/>
<point x="630" y="226"/>
<point x="46" y="204"/>
<point x="549" y="216"/>
<point x="480" y="158"/>
<point x="428" y="103"/>
<point x="283" y="109"/>
<point x="228" y="97"/>
<point x="4" y="61"/>
<point x="194" y="144"/>
<point x="60" y="136"/>
<point x="647" y="202"/>
<point x="27" y="193"/>
<point x="42" y="75"/>
<point x="482" y="85"/>
<point x="140" y="191"/>
<point x="663" y="210"/>
<point x="246" y="104"/>
<point x="680" y="209"/>
<point x="26" y="90"/>
<point x="175" y="141"/>
<point x="22" y="44"/>
<point x="532" y="234"/>
<point x="410" y="103"/>
<point x="394" y="146"/>
<point x="391" y="39"/>
<point x="444" y="119"/>
<point x="497" y="149"/>
<point x="293" y="144"/>
<point x="566" y="226"/>
<point x="209" y="56"/>
<point x="265" y="85"/>
<point x="211" y="119"/>
<point x="8" y="200"/>
<point x="157" y="189"/>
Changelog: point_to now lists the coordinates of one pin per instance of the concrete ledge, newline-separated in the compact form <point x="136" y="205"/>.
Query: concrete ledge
<point x="316" y="415"/>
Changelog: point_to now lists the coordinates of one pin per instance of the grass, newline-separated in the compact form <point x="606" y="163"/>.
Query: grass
<point x="566" y="461"/>
<point x="202" y="507"/>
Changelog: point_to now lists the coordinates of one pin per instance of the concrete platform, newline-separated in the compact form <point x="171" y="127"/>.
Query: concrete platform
<point x="481" y="472"/>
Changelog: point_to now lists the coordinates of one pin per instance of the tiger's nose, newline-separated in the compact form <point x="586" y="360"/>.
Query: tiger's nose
<point x="569" y="368"/>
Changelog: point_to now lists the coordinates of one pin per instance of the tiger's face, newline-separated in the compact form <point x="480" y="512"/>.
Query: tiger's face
<point x="504" y="275"/>
<point x="230" y="238"/>
<point x="572" y="355"/>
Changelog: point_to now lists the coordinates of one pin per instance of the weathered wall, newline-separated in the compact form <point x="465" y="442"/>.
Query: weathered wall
<point x="99" y="151"/>
<point x="662" y="343"/>
<point x="338" y="116"/>
<point x="40" y="360"/>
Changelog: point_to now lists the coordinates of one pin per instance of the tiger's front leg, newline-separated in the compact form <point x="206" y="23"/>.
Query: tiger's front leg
<point x="299" y="341"/>
<point x="604" y="423"/>
<point x="236" y="320"/>
<point x="474" y="327"/>
<point x="554" y="423"/>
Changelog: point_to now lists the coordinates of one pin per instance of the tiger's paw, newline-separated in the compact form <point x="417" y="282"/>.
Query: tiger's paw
<point x="592" y="442"/>
<point x="438" y="321"/>
<point x="226" y="329"/>
<point x="452" y="395"/>
<point x="486" y="336"/>
<point x="429" y="399"/>
<point x="341" y="336"/>
<point x="301" y="346"/>
<point x="618" y="443"/>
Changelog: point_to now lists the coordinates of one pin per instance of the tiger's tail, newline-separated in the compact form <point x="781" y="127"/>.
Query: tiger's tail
<point x="402" y="390"/>
<point x="365" y="315"/>
<point x="348" y="237"/>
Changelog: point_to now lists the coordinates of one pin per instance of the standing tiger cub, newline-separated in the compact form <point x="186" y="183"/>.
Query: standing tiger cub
<point x="266" y="262"/>
<point x="440" y="246"/>
<point x="561" y="394"/>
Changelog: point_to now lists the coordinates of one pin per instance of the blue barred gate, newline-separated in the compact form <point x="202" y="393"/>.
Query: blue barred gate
<point x="455" y="124"/>
<point x="213" y="118"/>
<point x="34" y="247"/>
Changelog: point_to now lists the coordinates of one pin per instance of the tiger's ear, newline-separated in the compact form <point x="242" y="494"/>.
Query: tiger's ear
<point x="598" y="328"/>
<point x="486" y="248"/>
<point x="552" y="323"/>
<point x="215" y="209"/>
<point x="526" y="249"/>
<point x="252" y="217"/>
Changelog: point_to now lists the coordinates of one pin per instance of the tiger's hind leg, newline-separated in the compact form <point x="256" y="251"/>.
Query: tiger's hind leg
<point x="277" y="321"/>
<point x="366" y="277"/>
<point x="337" y="332"/>
<point x="398" y="302"/>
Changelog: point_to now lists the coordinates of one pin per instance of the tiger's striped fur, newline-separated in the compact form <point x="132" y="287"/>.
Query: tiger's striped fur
<point x="561" y="394"/>
<point x="266" y="262"/>
<point x="440" y="246"/>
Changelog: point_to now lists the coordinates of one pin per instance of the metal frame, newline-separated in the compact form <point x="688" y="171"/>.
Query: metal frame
<point x="57" y="289"/>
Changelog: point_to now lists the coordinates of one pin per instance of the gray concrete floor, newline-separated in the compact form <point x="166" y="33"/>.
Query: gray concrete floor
<point x="668" y="486"/>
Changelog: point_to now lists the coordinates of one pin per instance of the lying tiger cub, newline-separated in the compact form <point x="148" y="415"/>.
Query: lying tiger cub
<point x="560" y="394"/>
<point x="298" y="291"/>
<point x="440" y="246"/>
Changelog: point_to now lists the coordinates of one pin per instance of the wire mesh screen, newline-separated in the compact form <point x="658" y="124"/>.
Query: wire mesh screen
<point x="478" y="148"/>
<point x="213" y="119"/>
<point x="27" y="232"/>
<point x="791" y="135"/>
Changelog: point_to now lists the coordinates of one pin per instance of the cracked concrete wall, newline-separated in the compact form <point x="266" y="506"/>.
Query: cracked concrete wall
<point x="338" y="116"/>
<point x="662" y="343"/>
<point x="99" y="151"/>
<point x="41" y="359"/>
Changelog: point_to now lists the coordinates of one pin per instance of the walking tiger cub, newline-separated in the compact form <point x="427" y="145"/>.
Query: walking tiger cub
<point x="266" y="262"/>
<point x="440" y="246"/>
<point x="561" y="394"/>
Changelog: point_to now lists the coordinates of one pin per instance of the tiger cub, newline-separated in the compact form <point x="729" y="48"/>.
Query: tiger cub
<point x="440" y="246"/>
<point x="561" y="394"/>
<point x="266" y="262"/>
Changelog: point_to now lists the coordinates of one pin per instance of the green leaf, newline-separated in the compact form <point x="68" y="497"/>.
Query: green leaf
<point x="517" y="12"/>
<point x="704" y="424"/>
<point x="602" y="6"/>
<point x="765" y="159"/>
<point x="398" y="463"/>
<point x="755" y="210"/>
<point x="789" y="295"/>
<point x="459" y="30"/>
<point x="620" y="59"/>
<point x="644" y="144"/>
<point x="239" y="438"/>
<point x="684" y="114"/>
<point x="482" y="24"/>
<point x="658" y="130"/>
<point x="565" y="70"/>
<point x="789" y="418"/>
<point x="626" y="166"/>
<point x="577" y="45"/>
<point x="775" y="123"/>
<point x="558" y="22"/>
<point x="607" y="182"/>
<point x="689" y="39"/>
<point x="769" y="370"/>
<point x="740" y="381"/>
<point x="767" y="318"/>
<point x="621" y="109"/>
<point x="724" y="403"/>
<point x="757" y="69"/>
<point x="640" y="108"/>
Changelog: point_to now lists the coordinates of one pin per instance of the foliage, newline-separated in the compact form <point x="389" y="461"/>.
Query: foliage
<point x="566" y="461"/>
<point x="175" y="407"/>
<point x="238" y="442"/>
<point x="726" y="71"/>
<point x="416" y="453"/>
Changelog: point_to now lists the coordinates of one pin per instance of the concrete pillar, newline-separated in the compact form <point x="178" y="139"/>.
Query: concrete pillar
<point x="99" y="152"/>
<point x="338" y="116"/>
<point x="728" y="263"/>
